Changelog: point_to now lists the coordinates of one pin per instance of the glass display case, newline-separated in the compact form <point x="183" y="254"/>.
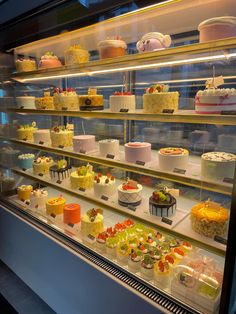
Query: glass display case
<point x="122" y="140"/>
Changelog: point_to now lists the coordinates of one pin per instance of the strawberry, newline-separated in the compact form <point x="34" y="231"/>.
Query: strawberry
<point x="99" y="175"/>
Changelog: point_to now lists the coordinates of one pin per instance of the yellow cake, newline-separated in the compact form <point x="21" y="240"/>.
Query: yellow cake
<point x="92" y="222"/>
<point x="45" y="102"/>
<point x="25" y="132"/>
<point x="83" y="177"/>
<point x="62" y="136"/>
<point x="76" y="55"/>
<point x="25" y="65"/>
<point x="66" y="99"/>
<point x="92" y="101"/>
<point x="55" y="205"/>
<point x="42" y="164"/>
<point x="24" y="191"/>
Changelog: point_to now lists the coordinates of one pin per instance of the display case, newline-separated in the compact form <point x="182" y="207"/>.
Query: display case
<point x="120" y="138"/>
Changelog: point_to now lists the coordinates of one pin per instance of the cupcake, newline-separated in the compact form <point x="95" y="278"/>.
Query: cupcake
<point x="112" y="48"/>
<point x="147" y="267"/>
<point x="134" y="260"/>
<point x="49" y="60"/>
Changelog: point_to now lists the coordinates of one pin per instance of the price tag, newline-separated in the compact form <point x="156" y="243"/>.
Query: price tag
<point x="41" y="142"/>
<point x="61" y="146"/>
<point x="228" y="113"/>
<point x="166" y="221"/>
<point x="22" y="107"/>
<point x="82" y="189"/>
<point x="70" y="224"/>
<point x="110" y="156"/>
<point x="220" y="240"/>
<point x="64" y="108"/>
<point x="40" y="174"/>
<point x="91" y="237"/>
<point x="104" y="197"/>
<point x="124" y="110"/>
<point x="140" y="162"/>
<point x="178" y="170"/>
<point x="168" y="111"/>
<point x="228" y="180"/>
<point x="59" y="181"/>
<point x="82" y="151"/>
<point x="131" y="207"/>
<point x="53" y="215"/>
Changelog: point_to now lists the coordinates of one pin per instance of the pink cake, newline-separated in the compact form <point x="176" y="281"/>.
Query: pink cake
<point x="217" y="28"/>
<point x="137" y="151"/>
<point x="49" y="60"/>
<point x="83" y="143"/>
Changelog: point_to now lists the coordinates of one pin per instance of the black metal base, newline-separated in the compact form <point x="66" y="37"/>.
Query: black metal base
<point x="128" y="204"/>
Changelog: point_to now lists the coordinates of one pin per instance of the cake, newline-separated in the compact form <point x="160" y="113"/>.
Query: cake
<point x="25" y="132"/>
<point x="83" y="143"/>
<point x="162" y="272"/>
<point x="122" y="100"/>
<point x="42" y="136"/>
<point x="55" y="206"/>
<point x="76" y="55"/>
<point x="92" y="101"/>
<point x="153" y="41"/>
<point x="158" y="98"/>
<point x="65" y="99"/>
<point x="101" y="241"/>
<point x="23" y="192"/>
<point x="134" y="261"/>
<point x="137" y="151"/>
<point x="217" y="28"/>
<point x="61" y="136"/>
<point x="104" y="185"/>
<point x="109" y="146"/>
<point x="92" y="222"/>
<point x="45" y="102"/>
<point x="41" y="165"/>
<point x="162" y="204"/>
<point x="111" y="245"/>
<point x="49" y="60"/>
<point x="199" y="137"/>
<point x="71" y="213"/>
<point x="60" y="170"/>
<point x="122" y="253"/>
<point x="112" y="48"/>
<point x="130" y="193"/>
<point x="172" y="157"/>
<point x="25" y="65"/>
<point x="38" y="199"/>
<point x="147" y="267"/>
<point x="25" y="102"/>
<point x="25" y="161"/>
<point x="83" y="177"/>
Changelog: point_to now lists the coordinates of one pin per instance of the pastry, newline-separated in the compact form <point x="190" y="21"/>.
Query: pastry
<point x="60" y="170"/>
<point x="42" y="136"/>
<point x="55" y="206"/>
<point x="92" y="101"/>
<point x="104" y="185"/>
<point x="162" y="272"/>
<point x="65" y="99"/>
<point x="122" y="253"/>
<point x="23" y="192"/>
<point x="61" y="136"/>
<point x="173" y="157"/>
<point x="122" y="100"/>
<point x="71" y="213"/>
<point x="130" y="193"/>
<point x="162" y="204"/>
<point x="25" y="102"/>
<point x="109" y="146"/>
<point x="134" y="260"/>
<point x="111" y="245"/>
<point x="38" y="199"/>
<point x="25" y="65"/>
<point x="41" y="165"/>
<point x="153" y="41"/>
<point x="25" y="132"/>
<point x="25" y="161"/>
<point x="83" y="177"/>
<point x="83" y="143"/>
<point x="76" y="55"/>
<point x="49" y="60"/>
<point x="138" y="151"/>
<point x="101" y="241"/>
<point x="147" y="267"/>
<point x="92" y="222"/>
<point x="112" y="48"/>
<point x="45" y="102"/>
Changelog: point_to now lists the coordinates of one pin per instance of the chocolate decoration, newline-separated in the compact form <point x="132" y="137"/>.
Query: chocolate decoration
<point x="88" y="102"/>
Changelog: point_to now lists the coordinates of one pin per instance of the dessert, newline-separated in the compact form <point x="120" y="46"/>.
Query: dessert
<point x="60" y="170"/>
<point x="109" y="147"/>
<point x="158" y="98"/>
<point x="45" y="102"/>
<point x="162" y="204"/>
<point x="104" y="185"/>
<point x="199" y="137"/>
<point x="25" y="161"/>
<point x="38" y="199"/>
<point x="82" y="177"/>
<point x="122" y="253"/>
<point x="101" y="241"/>
<point x="83" y="143"/>
<point x="209" y="219"/>
<point x="112" y="48"/>
<point x="130" y="193"/>
<point x="147" y="267"/>
<point x="217" y="28"/>
<point x="173" y="157"/>
<point x="25" y="65"/>
<point x="42" y="136"/>
<point x="122" y="100"/>
<point x="111" y="245"/>
<point x="217" y="165"/>
<point x="23" y="192"/>
<point x="66" y="99"/>
<point x="153" y="41"/>
<point x="137" y="151"/>
<point x="61" y="136"/>
<point x="49" y="60"/>
<point x="55" y="206"/>
<point x="134" y="260"/>
<point x="92" y="222"/>
<point x="25" y="102"/>
<point x="92" y="101"/>
<point x="25" y="132"/>
<point x="76" y="55"/>
<point x="41" y="165"/>
<point x="162" y="274"/>
<point x="71" y="213"/>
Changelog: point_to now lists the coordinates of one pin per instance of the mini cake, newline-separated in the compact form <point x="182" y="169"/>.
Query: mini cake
<point x="199" y="137"/>
<point x="76" y="55"/>
<point x="25" y="65"/>
<point x="217" y="28"/>
<point x="104" y="185"/>
<point x="122" y="253"/>
<point x="217" y="165"/>
<point x="61" y="136"/>
<point x="153" y="41"/>
<point x="24" y="191"/>
<point x="25" y="102"/>
<point x="172" y="157"/>
<point x="137" y="151"/>
<point x="55" y="206"/>
<point x="147" y="267"/>
<point x="84" y="143"/>
<point x="41" y="165"/>
<point x="60" y="170"/>
<point x="25" y="161"/>
<point x="130" y="193"/>
<point x="101" y="241"/>
<point x="42" y="136"/>
<point x="83" y="177"/>
<point x="92" y="101"/>
<point x="109" y="146"/>
<point x="158" y="97"/>
<point x="209" y="219"/>
<point x="122" y="100"/>
<point x="71" y="214"/>
<point x="49" y="60"/>
<point x="25" y="132"/>
<point x="162" y="204"/>
<point x="162" y="274"/>
<point x="45" y="102"/>
<point x="38" y="199"/>
<point x="92" y="222"/>
<point x="65" y="99"/>
<point x="111" y="48"/>
<point x="134" y="261"/>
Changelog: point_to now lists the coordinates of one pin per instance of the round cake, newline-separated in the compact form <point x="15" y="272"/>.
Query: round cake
<point x="153" y="41"/>
<point x="49" y="60"/>
<point x="84" y="143"/>
<point x="137" y="151"/>
<point x="25" y="102"/>
<point x="112" y="48"/>
<point x="25" y="65"/>
<point x="130" y="193"/>
<point x="76" y="55"/>
<point x="218" y="165"/>
<point x="55" y="205"/>
<point x="45" y="102"/>
<point x="25" y="132"/>
<point x="172" y="157"/>
<point x="92" y="101"/>
<point x="104" y="185"/>
<point x="209" y="219"/>
<point x="23" y="192"/>
<point x="92" y="222"/>
<point x="83" y="177"/>
<point x="38" y="199"/>
<point x="41" y="165"/>
<point x="61" y="136"/>
<point x="122" y="100"/>
<point x="162" y="204"/>
<point x="65" y="99"/>
<point x="109" y="146"/>
<point x="61" y="170"/>
<point x="25" y="161"/>
<point x="71" y="213"/>
<point x="158" y="98"/>
<point x="42" y="136"/>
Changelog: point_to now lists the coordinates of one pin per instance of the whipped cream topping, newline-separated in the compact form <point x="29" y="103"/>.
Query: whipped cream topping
<point x="26" y="156"/>
<point x="217" y="92"/>
<point x="39" y="193"/>
<point x="219" y="156"/>
<point x="25" y="187"/>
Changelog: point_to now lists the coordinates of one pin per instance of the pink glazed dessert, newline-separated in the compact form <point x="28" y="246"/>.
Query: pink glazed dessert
<point x="137" y="151"/>
<point x="49" y="60"/>
<point x="83" y="143"/>
<point x="217" y="28"/>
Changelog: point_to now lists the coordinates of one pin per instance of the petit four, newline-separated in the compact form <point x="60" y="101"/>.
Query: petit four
<point x="162" y="272"/>
<point x="65" y="99"/>
<point x="92" y="101"/>
<point x="41" y="165"/>
<point x="130" y="193"/>
<point x="25" y="65"/>
<point x="25" y="102"/>
<point x="76" y="55"/>
<point x="101" y="241"/>
<point x="162" y="204"/>
<point x="109" y="147"/>
<point x="122" y="100"/>
<point x="61" y="136"/>
<point x="38" y="199"/>
<point x="71" y="213"/>
<point x="138" y="151"/>
<point x="104" y="185"/>
<point x="25" y="132"/>
<point x="111" y="48"/>
<point x="122" y="252"/>
<point x="83" y="143"/>
<point x="111" y="245"/>
<point x="60" y="170"/>
<point x="153" y="41"/>
<point x="55" y="205"/>
<point x="49" y="60"/>
<point x="25" y="161"/>
<point x="45" y="102"/>
<point x="147" y="267"/>
<point x="42" y="136"/>
<point x="82" y="177"/>
<point x="134" y="260"/>
<point x="172" y="157"/>
<point x="92" y="222"/>
<point x="23" y="192"/>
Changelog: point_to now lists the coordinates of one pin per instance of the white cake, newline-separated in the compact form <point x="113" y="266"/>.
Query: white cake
<point x="104" y="185"/>
<point x="171" y="158"/>
<point x="218" y="165"/>
<point x="109" y="146"/>
<point x="42" y="136"/>
<point x="66" y="99"/>
<point x="25" y="102"/>
<point x="122" y="100"/>
<point x="138" y="151"/>
<point x="130" y="193"/>
<point x="38" y="199"/>
<point x="83" y="143"/>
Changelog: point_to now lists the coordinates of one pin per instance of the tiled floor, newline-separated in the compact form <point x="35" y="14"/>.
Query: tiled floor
<point x="21" y="298"/>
